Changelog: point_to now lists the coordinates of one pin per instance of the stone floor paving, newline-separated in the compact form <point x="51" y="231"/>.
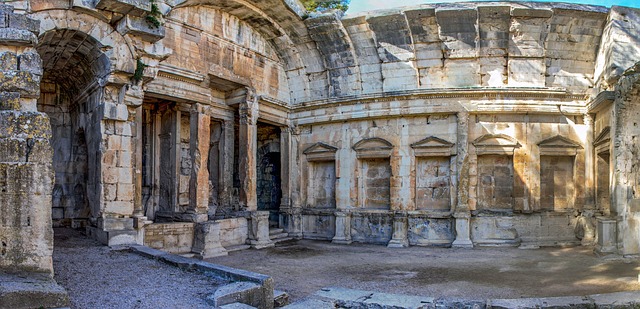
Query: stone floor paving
<point x="301" y="268"/>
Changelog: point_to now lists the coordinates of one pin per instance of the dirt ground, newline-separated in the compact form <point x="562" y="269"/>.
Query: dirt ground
<point x="96" y="276"/>
<point x="303" y="267"/>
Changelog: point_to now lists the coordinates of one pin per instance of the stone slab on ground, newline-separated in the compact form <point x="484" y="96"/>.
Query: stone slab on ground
<point x="29" y="290"/>
<point x="359" y="298"/>
<point x="337" y="297"/>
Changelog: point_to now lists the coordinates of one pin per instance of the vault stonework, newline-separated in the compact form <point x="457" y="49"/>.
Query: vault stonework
<point x="237" y="124"/>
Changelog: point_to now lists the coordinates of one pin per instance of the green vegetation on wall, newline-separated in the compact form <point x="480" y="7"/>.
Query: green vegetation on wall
<point x="321" y="5"/>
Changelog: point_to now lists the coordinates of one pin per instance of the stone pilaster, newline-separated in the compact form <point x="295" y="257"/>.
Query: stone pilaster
<point x="462" y="214"/>
<point x="343" y="228"/>
<point x="226" y="179"/>
<point x="400" y="230"/>
<point x="247" y="138"/>
<point x="199" y="149"/>
<point x="285" y="168"/>
<point x="259" y="230"/>
<point x="589" y="208"/>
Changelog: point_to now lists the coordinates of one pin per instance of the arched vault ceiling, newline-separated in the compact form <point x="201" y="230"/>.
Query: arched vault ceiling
<point x="72" y="58"/>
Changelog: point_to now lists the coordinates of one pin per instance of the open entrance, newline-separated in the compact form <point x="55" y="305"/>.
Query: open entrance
<point x="269" y="172"/>
<point x="74" y="66"/>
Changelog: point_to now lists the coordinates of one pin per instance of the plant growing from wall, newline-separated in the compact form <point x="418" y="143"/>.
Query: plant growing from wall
<point x="153" y="17"/>
<point x="139" y="72"/>
<point x="322" y="5"/>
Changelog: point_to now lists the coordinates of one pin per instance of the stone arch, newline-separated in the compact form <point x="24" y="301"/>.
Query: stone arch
<point x="118" y="48"/>
<point x="85" y="63"/>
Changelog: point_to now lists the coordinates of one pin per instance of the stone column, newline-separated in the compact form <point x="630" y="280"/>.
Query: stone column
<point x="247" y="139"/>
<point x="259" y="230"/>
<point x="26" y="157"/>
<point x="462" y="213"/>
<point x="343" y="228"/>
<point x="400" y="230"/>
<point x="200" y="135"/>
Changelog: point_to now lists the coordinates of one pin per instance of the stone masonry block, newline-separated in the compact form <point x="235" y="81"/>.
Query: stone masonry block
<point x="30" y="62"/>
<point x="25" y="83"/>
<point x="8" y="61"/>
<point x="19" y="21"/>
<point x="9" y="101"/>
<point x="139" y="26"/>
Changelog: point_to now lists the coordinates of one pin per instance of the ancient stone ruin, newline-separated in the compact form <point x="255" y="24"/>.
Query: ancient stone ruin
<point x="208" y="126"/>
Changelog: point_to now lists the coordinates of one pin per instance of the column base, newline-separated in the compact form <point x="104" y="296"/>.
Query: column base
<point x="462" y="243"/>
<point x="341" y="241"/>
<point x="398" y="243"/>
<point x="206" y="241"/>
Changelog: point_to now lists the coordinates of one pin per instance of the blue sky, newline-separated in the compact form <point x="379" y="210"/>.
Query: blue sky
<point x="368" y="5"/>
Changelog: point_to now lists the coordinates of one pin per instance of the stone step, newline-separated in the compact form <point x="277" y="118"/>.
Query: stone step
<point x="237" y="248"/>
<point x="278" y="236"/>
<point x="280" y="298"/>
<point x="273" y="231"/>
<point x="284" y="239"/>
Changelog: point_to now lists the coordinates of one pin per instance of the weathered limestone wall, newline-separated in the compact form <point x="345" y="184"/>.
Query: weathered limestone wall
<point x="26" y="172"/>
<point x="625" y="200"/>
<point x="456" y="45"/>
<point x="619" y="47"/>
<point x="171" y="237"/>
<point x="214" y="51"/>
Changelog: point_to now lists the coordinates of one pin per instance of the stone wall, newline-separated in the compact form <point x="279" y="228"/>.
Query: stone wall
<point x="170" y="237"/>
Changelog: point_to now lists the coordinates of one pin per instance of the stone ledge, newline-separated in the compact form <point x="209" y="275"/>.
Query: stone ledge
<point x="31" y="290"/>
<point x="263" y="300"/>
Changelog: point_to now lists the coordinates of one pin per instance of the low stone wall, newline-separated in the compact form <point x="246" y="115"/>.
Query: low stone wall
<point x="426" y="231"/>
<point x="318" y="224"/>
<point x="176" y="237"/>
<point x="233" y="231"/>
<point x="538" y="229"/>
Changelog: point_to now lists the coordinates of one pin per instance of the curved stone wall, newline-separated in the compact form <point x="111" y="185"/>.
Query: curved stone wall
<point x="464" y="124"/>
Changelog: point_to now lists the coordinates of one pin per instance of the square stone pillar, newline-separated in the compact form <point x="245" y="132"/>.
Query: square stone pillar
<point x="259" y="230"/>
<point x="463" y="239"/>
<point x="605" y="235"/>
<point x="206" y="240"/>
<point x="285" y="173"/>
<point x="400" y="230"/>
<point x="247" y="156"/>
<point x="343" y="228"/>
<point x="199" y="150"/>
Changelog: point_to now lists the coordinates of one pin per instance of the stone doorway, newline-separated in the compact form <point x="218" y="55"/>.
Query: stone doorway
<point x="71" y="92"/>
<point x="269" y="180"/>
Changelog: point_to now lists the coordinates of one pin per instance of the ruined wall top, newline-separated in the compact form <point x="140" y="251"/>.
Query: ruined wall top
<point x="579" y="49"/>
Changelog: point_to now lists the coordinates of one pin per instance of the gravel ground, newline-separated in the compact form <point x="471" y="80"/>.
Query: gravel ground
<point x="96" y="276"/>
<point x="303" y="267"/>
